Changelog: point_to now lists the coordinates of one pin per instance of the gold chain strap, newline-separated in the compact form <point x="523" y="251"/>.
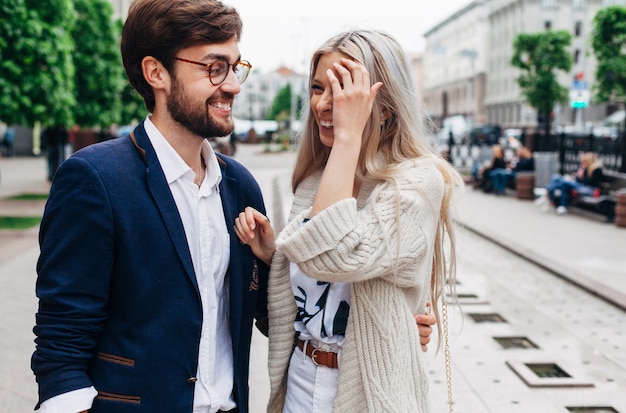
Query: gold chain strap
<point x="444" y="313"/>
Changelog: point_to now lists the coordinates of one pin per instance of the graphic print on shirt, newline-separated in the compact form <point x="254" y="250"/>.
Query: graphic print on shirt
<point x="306" y="314"/>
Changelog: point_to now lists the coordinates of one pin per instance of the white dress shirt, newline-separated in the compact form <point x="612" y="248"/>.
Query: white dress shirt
<point x="200" y="209"/>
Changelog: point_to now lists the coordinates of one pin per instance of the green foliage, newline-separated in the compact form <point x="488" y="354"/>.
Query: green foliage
<point x="133" y="109"/>
<point x="538" y="56"/>
<point x="18" y="222"/>
<point x="99" y="72"/>
<point x="36" y="66"/>
<point x="608" y="41"/>
<point x="281" y="106"/>
<point x="60" y="64"/>
<point x="29" y="197"/>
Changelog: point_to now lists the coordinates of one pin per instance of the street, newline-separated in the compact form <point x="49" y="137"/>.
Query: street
<point x="522" y="338"/>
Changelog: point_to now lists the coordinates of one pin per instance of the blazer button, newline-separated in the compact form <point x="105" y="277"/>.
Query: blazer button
<point x="192" y="380"/>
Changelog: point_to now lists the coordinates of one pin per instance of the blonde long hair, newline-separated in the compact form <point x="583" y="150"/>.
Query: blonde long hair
<point x="387" y="143"/>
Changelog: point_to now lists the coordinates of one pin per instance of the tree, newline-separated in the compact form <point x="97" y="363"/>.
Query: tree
<point x="133" y="108"/>
<point x="538" y="55"/>
<point x="281" y="105"/>
<point x="608" y="41"/>
<point x="99" y="73"/>
<point x="36" y="66"/>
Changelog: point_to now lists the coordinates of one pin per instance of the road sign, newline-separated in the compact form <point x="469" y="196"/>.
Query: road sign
<point x="579" y="98"/>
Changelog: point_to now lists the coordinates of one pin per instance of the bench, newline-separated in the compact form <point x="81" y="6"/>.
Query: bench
<point x="605" y="203"/>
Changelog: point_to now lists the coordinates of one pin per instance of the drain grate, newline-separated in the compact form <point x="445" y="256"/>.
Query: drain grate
<point x="466" y="296"/>
<point x="546" y="374"/>
<point x="547" y="370"/>
<point x="593" y="409"/>
<point x="487" y="317"/>
<point x="515" y="342"/>
<point x="465" y="299"/>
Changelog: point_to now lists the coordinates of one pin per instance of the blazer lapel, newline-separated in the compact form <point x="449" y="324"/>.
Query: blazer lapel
<point x="228" y="194"/>
<point x="163" y="199"/>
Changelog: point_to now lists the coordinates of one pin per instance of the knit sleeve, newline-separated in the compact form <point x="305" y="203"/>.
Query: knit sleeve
<point x="389" y="237"/>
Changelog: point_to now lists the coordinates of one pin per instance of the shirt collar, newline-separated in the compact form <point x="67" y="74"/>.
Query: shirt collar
<point x="174" y="167"/>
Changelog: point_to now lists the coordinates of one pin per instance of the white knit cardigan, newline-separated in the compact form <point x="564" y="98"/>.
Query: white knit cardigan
<point x="383" y="243"/>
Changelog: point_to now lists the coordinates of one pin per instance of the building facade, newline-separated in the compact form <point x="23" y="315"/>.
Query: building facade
<point x="455" y="63"/>
<point x="467" y="69"/>
<point x="504" y="102"/>
<point x="258" y="92"/>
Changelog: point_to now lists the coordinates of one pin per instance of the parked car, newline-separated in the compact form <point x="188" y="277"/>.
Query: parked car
<point x="609" y="126"/>
<point x="487" y="134"/>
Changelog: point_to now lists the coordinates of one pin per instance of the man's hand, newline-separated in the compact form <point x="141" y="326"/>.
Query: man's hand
<point x="424" y="323"/>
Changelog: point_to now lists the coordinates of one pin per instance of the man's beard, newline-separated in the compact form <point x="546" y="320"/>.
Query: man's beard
<point x="193" y="117"/>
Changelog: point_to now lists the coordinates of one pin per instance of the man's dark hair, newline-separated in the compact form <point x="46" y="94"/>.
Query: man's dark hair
<point x="160" y="28"/>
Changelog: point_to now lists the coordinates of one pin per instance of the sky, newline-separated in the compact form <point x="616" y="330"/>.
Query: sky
<point x="286" y="32"/>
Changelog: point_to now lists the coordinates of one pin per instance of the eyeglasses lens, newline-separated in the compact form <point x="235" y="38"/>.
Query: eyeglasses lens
<point x="219" y="71"/>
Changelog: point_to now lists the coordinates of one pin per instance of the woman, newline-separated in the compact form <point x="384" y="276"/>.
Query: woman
<point x="500" y="177"/>
<point x="482" y="173"/>
<point x="586" y="181"/>
<point x="364" y="246"/>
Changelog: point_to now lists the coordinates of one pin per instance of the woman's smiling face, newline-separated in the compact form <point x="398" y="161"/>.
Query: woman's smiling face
<point x="322" y="97"/>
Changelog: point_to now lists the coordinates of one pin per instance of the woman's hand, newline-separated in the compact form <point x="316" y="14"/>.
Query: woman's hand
<point x="352" y="102"/>
<point x="353" y="98"/>
<point x="254" y="229"/>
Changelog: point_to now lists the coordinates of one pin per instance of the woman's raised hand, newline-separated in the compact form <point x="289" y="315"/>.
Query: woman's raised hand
<point x="353" y="98"/>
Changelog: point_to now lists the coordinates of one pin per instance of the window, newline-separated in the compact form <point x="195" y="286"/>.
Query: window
<point x="576" y="56"/>
<point x="547" y="25"/>
<point x="578" y="4"/>
<point x="578" y="28"/>
<point x="550" y="4"/>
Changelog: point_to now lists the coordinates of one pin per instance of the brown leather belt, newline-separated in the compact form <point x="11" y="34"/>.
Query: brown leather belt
<point x="320" y="357"/>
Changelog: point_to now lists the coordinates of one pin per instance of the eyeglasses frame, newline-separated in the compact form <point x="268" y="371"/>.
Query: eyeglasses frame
<point x="230" y="67"/>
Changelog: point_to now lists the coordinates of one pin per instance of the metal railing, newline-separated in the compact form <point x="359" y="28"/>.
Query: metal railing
<point x="568" y="148"/>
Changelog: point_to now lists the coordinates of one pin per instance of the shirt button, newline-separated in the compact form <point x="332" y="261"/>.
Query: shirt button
<point x="192" y="380"/>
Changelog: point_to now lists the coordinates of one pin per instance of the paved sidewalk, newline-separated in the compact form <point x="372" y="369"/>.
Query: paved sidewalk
<point x="575" y="246"/>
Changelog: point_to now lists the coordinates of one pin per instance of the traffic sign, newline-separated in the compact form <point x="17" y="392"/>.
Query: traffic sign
<point x="579" y="98"/>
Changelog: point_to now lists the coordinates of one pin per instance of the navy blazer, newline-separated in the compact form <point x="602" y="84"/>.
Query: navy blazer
<point x="119" y="306"/>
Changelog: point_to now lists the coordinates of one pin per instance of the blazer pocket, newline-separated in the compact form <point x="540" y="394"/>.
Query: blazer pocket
<point x="112" y="358"/>
<point x="102" y="395"/>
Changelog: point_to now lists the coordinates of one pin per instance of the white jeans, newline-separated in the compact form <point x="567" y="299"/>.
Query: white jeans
<point x="310" y="389"/>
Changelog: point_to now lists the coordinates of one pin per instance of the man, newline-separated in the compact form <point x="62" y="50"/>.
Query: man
<point x="147" y="298"/>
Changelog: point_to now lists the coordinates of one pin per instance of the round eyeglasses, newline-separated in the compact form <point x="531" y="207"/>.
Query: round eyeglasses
<point x="218" y="70"/>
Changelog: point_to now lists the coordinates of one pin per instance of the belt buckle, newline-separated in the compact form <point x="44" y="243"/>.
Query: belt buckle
<point x="314" y="357"/>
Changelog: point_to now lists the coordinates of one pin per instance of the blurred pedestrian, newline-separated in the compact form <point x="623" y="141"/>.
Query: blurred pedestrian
<point x="8" y="141"/>
<point x="364" y="246"/>
<point x="55" y="138"/>
<point x="450" y="146"/>
<point x="481" y="172"/>
<point x="586" y="181"/>
<point x="503" y="177"/>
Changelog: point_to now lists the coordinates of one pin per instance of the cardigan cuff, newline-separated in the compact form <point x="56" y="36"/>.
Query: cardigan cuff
<point x="320" y="234"/>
